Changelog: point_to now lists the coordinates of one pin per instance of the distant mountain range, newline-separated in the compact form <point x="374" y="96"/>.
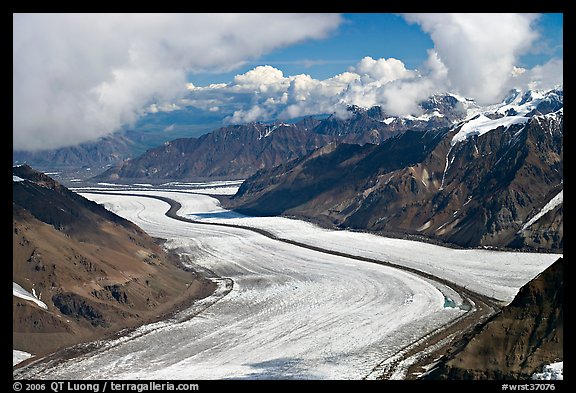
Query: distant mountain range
<point x="108" y="150"/>
<point x="150" y="131"/>
<point x="80" y="271"/>
<point x="494" y="179"/>
<point x="239" y="151"/>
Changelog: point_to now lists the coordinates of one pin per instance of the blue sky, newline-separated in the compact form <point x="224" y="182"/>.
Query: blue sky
<point x="377" y="35"/>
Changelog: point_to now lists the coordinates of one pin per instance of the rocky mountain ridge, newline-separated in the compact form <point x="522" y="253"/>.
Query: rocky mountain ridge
<point x="238" y="151"/>
<point x="478" y="183"/>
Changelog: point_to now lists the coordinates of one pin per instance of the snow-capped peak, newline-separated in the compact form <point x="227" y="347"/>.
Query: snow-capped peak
<point x="512" y="96"/>
<point x="481" y="124"/>
<point x="516" y="108"/>
<point x="528" y="102"/>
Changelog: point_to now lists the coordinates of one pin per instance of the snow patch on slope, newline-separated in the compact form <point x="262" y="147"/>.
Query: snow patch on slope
<point x="481" y="124"/>
<point x="16" y="178"/>
<point x="20" y="292"/>
<point x="557" y="200"/>
<point x="19" y="356"/>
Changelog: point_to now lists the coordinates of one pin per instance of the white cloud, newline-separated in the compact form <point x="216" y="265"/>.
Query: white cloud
<point x="261" y="78"/>
<point x="80" y="76"/>
<point x="264" y="93"/>
<point x="474" y="55"/>
<point x="479" y="51"/>
<point x="545" y="76"/>
<point x="382" y="70"/>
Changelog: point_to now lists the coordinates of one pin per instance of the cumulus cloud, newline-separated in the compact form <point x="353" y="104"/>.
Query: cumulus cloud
<point x="80" y="76"/>
<point x="382" y="70"/>
<point x="474" y="55"/>
<point x="478" y="51"/>
<point x="543" y="76"/>
<point x="265" y="93"/>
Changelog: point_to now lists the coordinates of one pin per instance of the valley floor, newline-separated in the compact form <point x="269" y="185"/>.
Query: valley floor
<point x="293" y="312"/>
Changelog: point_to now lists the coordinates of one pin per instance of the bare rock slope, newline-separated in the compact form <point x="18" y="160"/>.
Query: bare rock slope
<point x="95" y="271"/>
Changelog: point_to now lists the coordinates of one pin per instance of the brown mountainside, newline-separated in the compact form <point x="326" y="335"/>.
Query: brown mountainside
<point x="478" y="192"/>
<point x="96" y="271"/>
<point x="230" y="152"/>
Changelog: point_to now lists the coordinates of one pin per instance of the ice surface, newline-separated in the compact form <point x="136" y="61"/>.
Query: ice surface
<point x="224" y="187"/>
<point x="493" y="273"/>
<point x="554" y="371"/>
<point x="293" y="313"/>
<point x="19" y="356"/>
<point x="20" y="292"/>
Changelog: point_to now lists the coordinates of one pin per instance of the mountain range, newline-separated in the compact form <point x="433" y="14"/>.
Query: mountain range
<point x="239" y="151"/>
<point x="458" y="173"/>
<point x="494" y="179"/>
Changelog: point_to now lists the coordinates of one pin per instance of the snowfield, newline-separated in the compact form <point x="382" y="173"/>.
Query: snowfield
<point x="482" y="124"/>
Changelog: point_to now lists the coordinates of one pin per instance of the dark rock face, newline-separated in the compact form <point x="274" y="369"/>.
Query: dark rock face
<point x="78" y="307"/>
<point x="478" y="192"/>
<point x="334" y="172"/>
<point x="526" y="335"/>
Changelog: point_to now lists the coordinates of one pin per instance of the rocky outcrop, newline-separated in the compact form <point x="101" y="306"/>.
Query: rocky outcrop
<point x="78" y="307"/>
<point x="525" y="336"/>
